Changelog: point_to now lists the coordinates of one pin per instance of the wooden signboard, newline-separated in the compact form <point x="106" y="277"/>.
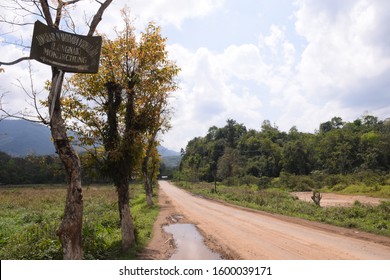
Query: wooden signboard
<point x="66" y="51"/>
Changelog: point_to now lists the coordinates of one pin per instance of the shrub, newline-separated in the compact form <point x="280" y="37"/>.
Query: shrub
<point x="264" y="182"/>
<point x="249" y="180"/>
<point x="296" y="182"/>
<point x="232" y="181"/>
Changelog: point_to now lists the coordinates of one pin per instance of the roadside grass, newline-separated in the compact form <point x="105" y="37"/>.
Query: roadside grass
<point x="374" y="219"/>
<point x="30" y="216"/>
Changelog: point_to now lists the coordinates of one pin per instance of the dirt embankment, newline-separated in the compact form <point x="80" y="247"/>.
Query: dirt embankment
<point x="239" y="233"/>
<point x="332" y="199"/>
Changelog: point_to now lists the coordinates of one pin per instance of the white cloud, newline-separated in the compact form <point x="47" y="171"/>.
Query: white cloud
<point x="15" y="99"/>
<point x="343" y="69"/>
<point x="166" y="11"/>
<point x="174" y="11"/>
<point x="244" y="62"/>
<point x="211" y="91"/>
<point x="274" y="39"/>
<point x="340" y="49"/>
<point x="214" y="85"/>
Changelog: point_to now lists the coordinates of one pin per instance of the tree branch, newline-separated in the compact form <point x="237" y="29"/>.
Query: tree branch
<point x="46" y="12"/>
<point x="18" y="7"/>
<point x="15" y="61"/>
<point x="98" y="17"/>
<point x="59" y="13"/>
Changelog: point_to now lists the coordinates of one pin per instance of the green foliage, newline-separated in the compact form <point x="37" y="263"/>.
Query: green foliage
<point x="295" y="183"/>
<point x="338" y="148"/>
<point x="124" y="106"/>
<point x="29" y="218"/>
<point x="31" y="169"/>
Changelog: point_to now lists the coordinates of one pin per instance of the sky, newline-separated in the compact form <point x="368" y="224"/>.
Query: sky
<point x="294" y="63"/>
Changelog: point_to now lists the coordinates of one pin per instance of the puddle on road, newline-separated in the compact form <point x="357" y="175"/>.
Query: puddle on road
<point x="189" y="243"/>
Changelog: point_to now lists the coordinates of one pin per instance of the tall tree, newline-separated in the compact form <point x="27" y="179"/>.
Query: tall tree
<point x="70" y="230"/>
<point x="157" y="82"/>
<point x="123" y="107"/>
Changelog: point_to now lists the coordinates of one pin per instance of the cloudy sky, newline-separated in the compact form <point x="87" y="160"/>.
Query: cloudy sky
<point x="291" y="62"/>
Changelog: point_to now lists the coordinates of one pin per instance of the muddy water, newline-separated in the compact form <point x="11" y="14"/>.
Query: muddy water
<point x="189" y="243"/>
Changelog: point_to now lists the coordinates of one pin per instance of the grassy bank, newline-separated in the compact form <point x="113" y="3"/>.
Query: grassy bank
<point x="375" y="219"/>
<point x="30" y="216"/>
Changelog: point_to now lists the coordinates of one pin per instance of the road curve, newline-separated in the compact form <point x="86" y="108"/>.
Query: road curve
<point x="254" y="235"/>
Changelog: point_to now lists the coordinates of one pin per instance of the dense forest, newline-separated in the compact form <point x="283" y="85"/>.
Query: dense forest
<point x="236" y="155"/>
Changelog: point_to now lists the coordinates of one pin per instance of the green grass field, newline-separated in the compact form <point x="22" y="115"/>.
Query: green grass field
<point x="374" y="219"/>
<point x="30" y="216"/>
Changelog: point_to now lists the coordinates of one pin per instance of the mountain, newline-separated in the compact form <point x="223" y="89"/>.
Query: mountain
<point x="170" y="158"/>
<point x="165" y="152"/>
<point x="20" y="138"/>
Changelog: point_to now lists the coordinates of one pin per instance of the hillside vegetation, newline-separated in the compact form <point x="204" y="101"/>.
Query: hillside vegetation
<point x="235" y="155"/>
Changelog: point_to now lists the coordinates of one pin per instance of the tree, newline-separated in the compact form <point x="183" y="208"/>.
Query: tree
<point x="228" y="164"/>
<point x="70" y="230"/>
<point x="192" y="159"/>
<point x="325" y="127"/>
<point x="123" y="108"/>
<point x="149" y="168"/>
<point x="232" y="132"/>
<point x="334" y="123"/>
<point x="157" y="82"/>
<point x="337" y="122"/>
<point x="296" y="158"/>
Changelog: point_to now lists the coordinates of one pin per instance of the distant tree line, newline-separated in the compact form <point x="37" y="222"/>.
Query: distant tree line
<point x="338" y="147"/>
<point x="43" y="169"/>
<point x="31" y="169"/>
<point x="47" y="169"/>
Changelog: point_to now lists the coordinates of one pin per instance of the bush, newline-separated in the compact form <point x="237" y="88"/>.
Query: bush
<point x="264" y="182"/>
<point x="232" y="181"/>
<point x="249" y="180"/>
<point x="296" y="182"/>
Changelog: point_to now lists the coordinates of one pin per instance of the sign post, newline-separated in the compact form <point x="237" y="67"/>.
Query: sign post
<point x="66" y="51"/>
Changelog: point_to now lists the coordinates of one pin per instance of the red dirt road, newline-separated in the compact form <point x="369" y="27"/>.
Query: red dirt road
<point x="248" y="234"/>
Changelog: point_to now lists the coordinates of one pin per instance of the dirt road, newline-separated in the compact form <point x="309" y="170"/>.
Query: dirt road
<point x="250" y="234"/>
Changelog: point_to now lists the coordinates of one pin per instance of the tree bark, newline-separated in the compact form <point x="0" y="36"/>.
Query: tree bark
<point x="145" y="170"/>
<point x="127" y="226"/>
<point x="70" y="229"/>
<point x="119" y="168"/>
<point x="147" y="182"/>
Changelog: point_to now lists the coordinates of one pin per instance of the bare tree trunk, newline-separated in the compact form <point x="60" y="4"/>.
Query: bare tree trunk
<point x="70" y="229"/>
<point x="119" y="169"/>
<point x="145" y="171"/>
<point x="147" y="182"/>
<point x="127" y="226"/>
<point x="151" y="175"/>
